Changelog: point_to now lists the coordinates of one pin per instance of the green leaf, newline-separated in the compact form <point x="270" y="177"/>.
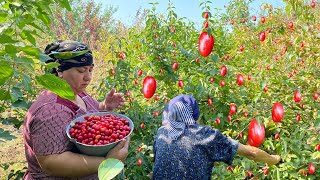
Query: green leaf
<point x="215" y="58"/>
<point x="21" y="104"/>
<point x="52" y="65"/>
<point x="5" y="39"/>
<point x="6" y="72"/>
<point x="67" y="55"/>
<point x="65" y="4"/>
<point x="109" y="168"/>
<point x="5" y="135"/>
<point x="56" y="85"/>
<point x="16" y="93"/>
<point x="4" y="95"/>
<point x="44" y="57"/>
<point x="31" y="51"/>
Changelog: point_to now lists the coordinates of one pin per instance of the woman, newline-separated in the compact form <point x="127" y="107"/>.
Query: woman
<point x="184" y="149"/>
<point x="49" y="152"/>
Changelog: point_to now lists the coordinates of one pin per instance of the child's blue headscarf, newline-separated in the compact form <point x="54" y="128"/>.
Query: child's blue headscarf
<point x="182" y="111"/>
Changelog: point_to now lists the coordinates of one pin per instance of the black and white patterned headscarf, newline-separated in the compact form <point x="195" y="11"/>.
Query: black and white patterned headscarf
<point x="182" y="111"/>
<point x="68" y="54"/>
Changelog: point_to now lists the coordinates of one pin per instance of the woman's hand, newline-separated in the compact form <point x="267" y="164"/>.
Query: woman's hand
<point x="276" y="158"/>
<point x="120" y="151"/>
<point x="113" y="100"/>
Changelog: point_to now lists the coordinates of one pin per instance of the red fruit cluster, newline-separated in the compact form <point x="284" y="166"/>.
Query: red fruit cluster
<point x="100" y="130"/>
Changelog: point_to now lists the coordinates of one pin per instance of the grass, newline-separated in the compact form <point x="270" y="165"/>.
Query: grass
<point x="12" y="153"/>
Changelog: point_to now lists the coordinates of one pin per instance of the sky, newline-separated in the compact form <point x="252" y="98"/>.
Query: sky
<point x="184" y="8"/>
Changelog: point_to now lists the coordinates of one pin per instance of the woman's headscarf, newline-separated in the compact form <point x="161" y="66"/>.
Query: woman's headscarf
<point x="68" y="54"/>
<point x="182" y="111"/>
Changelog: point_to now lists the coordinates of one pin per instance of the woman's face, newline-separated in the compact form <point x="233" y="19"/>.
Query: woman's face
<point x="78" y="77"/>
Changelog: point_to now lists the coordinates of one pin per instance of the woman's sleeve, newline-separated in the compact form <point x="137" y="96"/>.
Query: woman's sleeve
<point x="48" y="130"/>
<point x="220" y="147"/>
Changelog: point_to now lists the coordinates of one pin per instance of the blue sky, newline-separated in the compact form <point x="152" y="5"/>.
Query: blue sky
<point x="184" y="8"/>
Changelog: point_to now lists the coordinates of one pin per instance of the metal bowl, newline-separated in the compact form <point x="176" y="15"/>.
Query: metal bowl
<point x="97" y="150"/>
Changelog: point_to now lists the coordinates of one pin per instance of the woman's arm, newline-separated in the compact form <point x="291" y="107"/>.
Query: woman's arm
<point x="257" y="154"/>
<point x="69" y="164"/>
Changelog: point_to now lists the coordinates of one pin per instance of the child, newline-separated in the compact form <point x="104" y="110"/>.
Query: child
<point x="186" y="150"/>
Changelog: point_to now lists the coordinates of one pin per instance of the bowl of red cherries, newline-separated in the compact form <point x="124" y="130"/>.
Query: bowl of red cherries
<point x="95" y="134"/>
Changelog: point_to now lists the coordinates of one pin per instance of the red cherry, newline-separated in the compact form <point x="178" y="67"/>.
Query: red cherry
<point x="313" y="4"/>
<point x="180" y="83"/>
<point x="197" y="60"/>
<point x="229" y="118"/>
<point x="212" y="80"/>
<point x="268" y="30"/>
<point x="209" y="101"/>
<point x="142" y="125"/>
<point x="112" y="72"/>
<point x="139" y="149"/>
<point x="222" y="83"/>
<point x="249" y="174"/>
<point x="318" y="147"/>
<point x="290" y="25"/>
<point x="277" y="112"/>
<point x="229" y="169"/>
<point x="249" y="77"/>
<point x="241" y="48"/>
<point x="311" y="168"/>
<point x="205" y="44"/>
<point x="240" y="79"/>
<point x="121" y="55"/>
<point x="297" y="96"/>
<point x="256" y="133"/>
<point x="218" y="120"/>
<point x="175" y="66"/>
<point x="277" y="136"/>
<point x="206" y="15"/>
<point x="265" y="171"/>
<point x="263" y="19"/>
<point x="206" y="24"/>
<point x="232" y="22"/>
<point x="315" y="96"/>
<point x="240" y="135"/>
<point x="136" y="81"/>
<point x="245" y="114"/>
<point x="265" y="89"/>
<point x="262" y="36"/>
<point x="223" y="71"/>
<point x="254" y="18"/>
<point x="139" y="72"/>
<point x="139" y="162"/>
<point x="298" y="117"/>
<point x="156" y="114"/>
<point x="232" y="109"/>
